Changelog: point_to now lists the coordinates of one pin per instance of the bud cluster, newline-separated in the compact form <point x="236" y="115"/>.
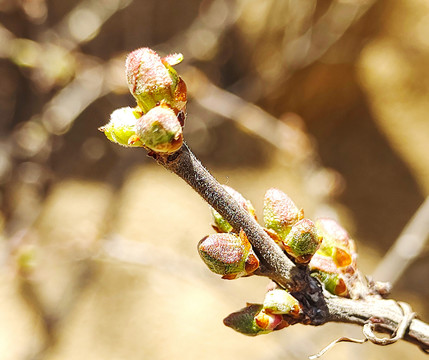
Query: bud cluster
<point x="322" y="246"/>
<point x="334" y="264"/>
<point x="286" y="224"/>
<point x="156" y="122"/>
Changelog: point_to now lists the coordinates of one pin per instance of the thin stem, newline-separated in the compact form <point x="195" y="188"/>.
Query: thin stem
<point x="275" y="264"/>
<point x="387" y="314"/>
<point x="185" y="164"/>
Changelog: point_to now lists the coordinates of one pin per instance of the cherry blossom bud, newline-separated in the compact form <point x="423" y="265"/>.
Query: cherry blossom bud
<point x="221" y="225"/>
<point x="336" y="242"/>
<point x="228" y="254"/>
<point x="121" y="127"/>
<point x="279" y="301"/>
<point x="159" y="130"/>
<point x="325" y="269"/>
<point x="268" y="321"/>
<point x="152" y="80"/>
<point x="280" y="213"/>
<point x="302" y="241"/>
<point x="252" y="320"/>
<point x="332" y="282"/>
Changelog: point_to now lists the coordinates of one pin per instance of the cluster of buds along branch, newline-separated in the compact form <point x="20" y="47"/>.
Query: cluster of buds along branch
<point x="334" y="264"/>
<point x="324" y="247"/>
<point x="156" y="122"/>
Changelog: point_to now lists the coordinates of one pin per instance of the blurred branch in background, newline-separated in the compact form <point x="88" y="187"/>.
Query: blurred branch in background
<point x="303" y="40"/>
<point x="93" y="80"/>
<point x="406" y="248"/>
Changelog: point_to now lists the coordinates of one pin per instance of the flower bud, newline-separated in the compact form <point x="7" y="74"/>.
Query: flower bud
<point x="221" y="225"/>
<point x="323" y="263"/>
<point x="332" y="282"/>
<point x="336" y="242"/>
<point x="229" y="255"/>
<point x="268" y="321"/>
<point x="279" y="301"/>
<point x="252" y="320"/>
<point x="280" y="213"/>
<point x="152" y="80"/>
<point x="325" y="269"/>
<point x="121" y="127"/>
<point x="159" y="130"/>
<point x="302" y="241"/>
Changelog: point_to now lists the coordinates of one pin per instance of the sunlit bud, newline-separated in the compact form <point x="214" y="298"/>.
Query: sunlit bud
<point x="332" y="282"/>
<point x="280" y="213"/>
<point x="336" y="242"/>
<point x="221" y="225"/>
<point x="323" y="263"/>
<point x="279" y="301"/>
<point x="267" y="320"/>
<point x="121" y="127"/>
<point x="152" y="80"/>
<point x="326" y="270"/>
<point x="228" y="254"/>
<point x="247" y="320"/>
<point x="159" y="130"/>
<point x="302" y="241"/>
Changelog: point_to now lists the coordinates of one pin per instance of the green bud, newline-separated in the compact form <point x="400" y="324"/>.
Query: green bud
<point x="221" y="225"/>
<point x="302" y="241"/>
<point x="159" y="130"/>
<point x="121" y="127"/>
<point x="152" y="80"/>
<point x="336" y="242"/>
<point x="252" y="320"/>
<point x="325" y="269"/>
<point x="280" y="213"/>
<point x="229" y="255"/>
<point x="279" y="301"/>
<point x="332" y="282"/>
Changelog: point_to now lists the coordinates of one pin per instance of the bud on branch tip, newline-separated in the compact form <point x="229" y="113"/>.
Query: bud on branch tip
<point x="156" y="123"/>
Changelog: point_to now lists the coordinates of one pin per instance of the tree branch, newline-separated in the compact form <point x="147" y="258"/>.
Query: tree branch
<point x="387" y="314"/>
<point x="319" y="307"/>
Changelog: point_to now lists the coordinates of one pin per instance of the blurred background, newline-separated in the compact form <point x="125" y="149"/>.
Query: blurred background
<point x="326" y="100"/>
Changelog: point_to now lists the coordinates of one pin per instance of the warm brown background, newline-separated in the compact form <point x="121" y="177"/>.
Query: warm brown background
<point x="98" y="247"/>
